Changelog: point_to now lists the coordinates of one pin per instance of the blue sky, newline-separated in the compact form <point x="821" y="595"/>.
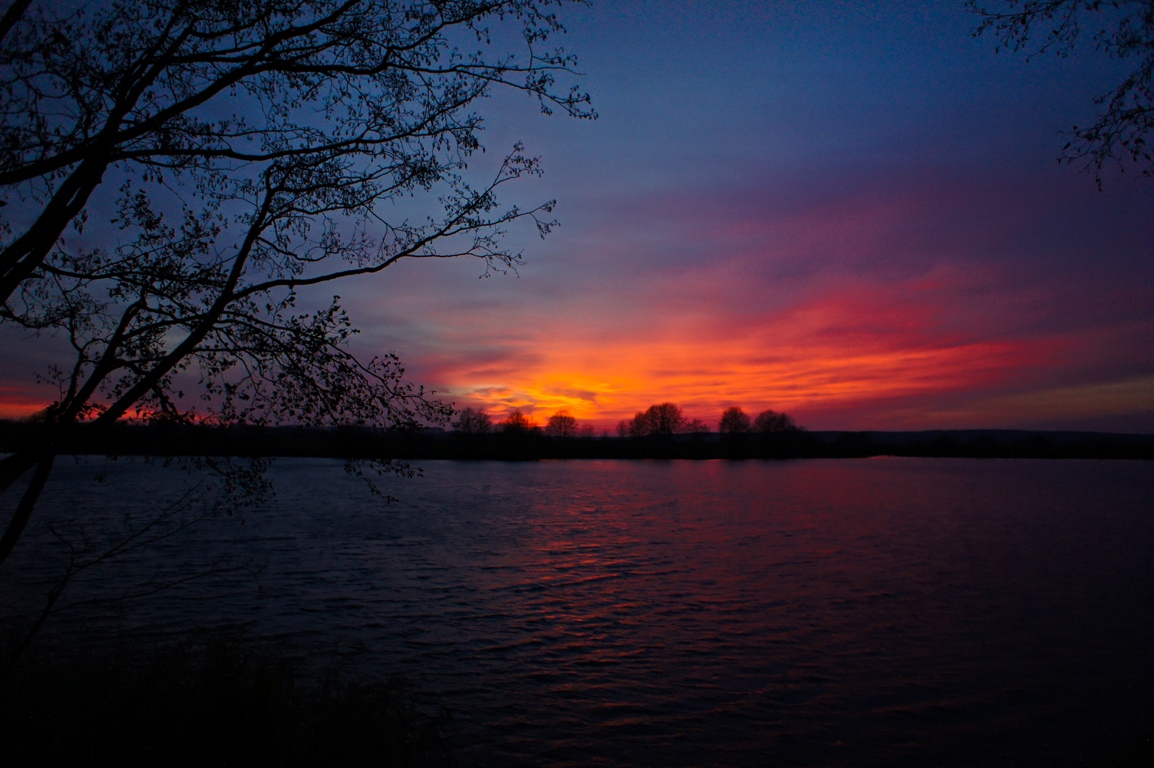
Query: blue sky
<point x="849" y="211"/>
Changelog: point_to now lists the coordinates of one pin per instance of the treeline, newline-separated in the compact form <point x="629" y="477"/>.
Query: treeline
<point x="515" y="438"/>
<point x="659" y="420"/>
<point x="522" y="440"/>
<point x="668" y="419"/>
<point x="663" y="430"/>
<point x="562" y="424"/>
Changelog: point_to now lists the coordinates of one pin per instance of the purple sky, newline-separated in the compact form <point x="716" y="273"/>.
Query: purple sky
<point x="852" y="212"/>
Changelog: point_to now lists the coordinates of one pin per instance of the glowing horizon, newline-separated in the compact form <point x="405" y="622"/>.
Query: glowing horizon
<point x="850" y="217"/>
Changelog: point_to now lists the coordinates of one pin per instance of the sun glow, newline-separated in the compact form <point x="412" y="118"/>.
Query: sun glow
<point x="815" y="357"/>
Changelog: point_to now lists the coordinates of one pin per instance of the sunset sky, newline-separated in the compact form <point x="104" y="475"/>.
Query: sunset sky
<point x="852" y="212"/>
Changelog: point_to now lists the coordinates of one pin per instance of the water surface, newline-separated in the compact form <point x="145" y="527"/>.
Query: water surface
<point x="856" y="612"/>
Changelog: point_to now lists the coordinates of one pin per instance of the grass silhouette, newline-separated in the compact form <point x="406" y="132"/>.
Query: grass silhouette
<point x="217" y="703"/>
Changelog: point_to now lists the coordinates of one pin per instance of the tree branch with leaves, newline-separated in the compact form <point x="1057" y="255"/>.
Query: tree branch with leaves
<point x="1121" y="29"/>
<point x="177" y="178"/>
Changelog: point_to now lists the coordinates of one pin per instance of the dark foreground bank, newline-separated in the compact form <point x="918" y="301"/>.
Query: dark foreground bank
<point x="224" y="703"/>
<point x="370" y="443"/>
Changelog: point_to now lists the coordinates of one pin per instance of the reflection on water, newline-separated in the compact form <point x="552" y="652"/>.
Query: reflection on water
<point x="880" y="612"/>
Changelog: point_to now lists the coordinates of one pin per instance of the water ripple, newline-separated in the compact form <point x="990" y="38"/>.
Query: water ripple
<point x="893" y="612"/>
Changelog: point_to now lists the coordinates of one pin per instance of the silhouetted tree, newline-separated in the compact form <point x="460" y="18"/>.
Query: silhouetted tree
<point x="772" y="421"/>
<point x="661" y="419"/>
<point x="473" y="421"/>
<point x="518" y="423"/>
<point x="664" y="419"/>
<point x="1122" y="29"/>
<point x="624" y="428"/>
<point x="245" y="151"/>
<point x="696" y="427"/>
<point x="734" y="421"/>
<point x="561" y="424"/>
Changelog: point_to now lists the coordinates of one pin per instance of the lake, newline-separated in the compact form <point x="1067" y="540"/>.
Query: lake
<point x="830" y="612"/>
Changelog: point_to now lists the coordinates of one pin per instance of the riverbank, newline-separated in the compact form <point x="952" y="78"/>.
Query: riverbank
<point x="370" y="443"/>
<point x="225" y="702"/>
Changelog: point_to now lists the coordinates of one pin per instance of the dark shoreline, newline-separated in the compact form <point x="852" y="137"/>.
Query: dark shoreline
<point x="216" y="701"/>
<point x="371" y="443"/>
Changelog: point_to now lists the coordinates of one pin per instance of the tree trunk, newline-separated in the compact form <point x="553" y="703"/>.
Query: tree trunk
<point x="19" y="520"/>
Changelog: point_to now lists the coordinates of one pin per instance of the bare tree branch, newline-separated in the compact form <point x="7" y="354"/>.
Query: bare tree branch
<point x="1121" y="29"/>
<point x="249" y="150"/>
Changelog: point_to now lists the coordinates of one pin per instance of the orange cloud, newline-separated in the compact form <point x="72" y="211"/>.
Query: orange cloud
<point x="862" y="344"/>
<point x="18" y="408"/>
